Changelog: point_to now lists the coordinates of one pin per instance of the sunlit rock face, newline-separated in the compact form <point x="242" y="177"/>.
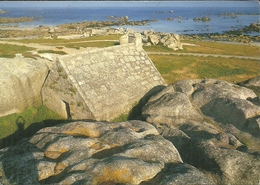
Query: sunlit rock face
<point x="21" y="81"/>
<point x="90" y="153"/>
<point x="213" y="124"/>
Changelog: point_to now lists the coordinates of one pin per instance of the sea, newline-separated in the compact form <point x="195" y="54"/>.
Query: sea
<point x="171" y="16"/>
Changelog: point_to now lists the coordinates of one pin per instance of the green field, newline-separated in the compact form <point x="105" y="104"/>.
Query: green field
<point x="174" y="68"/>
<point x="55" y="42"/>
<point x="9" y="50"/>
<point x="204" y="47"/>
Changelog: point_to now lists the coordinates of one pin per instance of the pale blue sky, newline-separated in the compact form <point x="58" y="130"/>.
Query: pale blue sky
<point x="4" y="4"/>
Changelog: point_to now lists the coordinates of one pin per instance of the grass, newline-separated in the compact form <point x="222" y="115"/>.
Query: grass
<point x="204" y="47"/>
<point x="94" y="41"/>
<point x="125" y="116"/>
<point x="18" y="122"/>
<point x="174" y="68"/>
<point x="91" y="44"/>
<point x="222" y="48"/>
<point x="157" y="48"/>
<point x="121" y="118"/>
<point x="70" y="41"/>
<point x="9" y="50"/>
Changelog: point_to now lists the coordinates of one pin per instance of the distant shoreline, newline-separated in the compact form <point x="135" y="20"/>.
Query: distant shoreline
<point x="27" y="31"/>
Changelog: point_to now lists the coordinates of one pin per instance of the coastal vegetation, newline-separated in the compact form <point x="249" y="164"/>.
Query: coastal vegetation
<point x="210" y="47"/>
<point x="10" y="50"/>
<point x="174" y="68"/>
<point x="62" y="41"/>
<point x="178" y="67"/>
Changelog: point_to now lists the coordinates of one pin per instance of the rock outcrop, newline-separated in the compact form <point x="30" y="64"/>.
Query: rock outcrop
<point x="90" y="153"/>
<point x="204" y="18"/>
<point x="169" y="40"/>
<point x="21" y="83"/>
<point x="214" y="126"/>
<point x="3" y="12"/>
<point x="148" y="38"/>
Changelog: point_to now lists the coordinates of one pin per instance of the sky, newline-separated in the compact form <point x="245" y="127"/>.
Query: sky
<point x="67" y="4"/>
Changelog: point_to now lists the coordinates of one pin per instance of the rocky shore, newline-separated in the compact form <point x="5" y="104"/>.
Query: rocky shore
<point x="85" y="28"/>
<point x="15" y="20"/>
<point x="234" y="35"/>
<point x="88" y="28"/>
<point x="204" y="18"/>
<point x="3" y="12"/>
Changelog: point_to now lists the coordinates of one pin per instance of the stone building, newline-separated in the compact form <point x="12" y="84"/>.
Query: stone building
<point x="100" y="84"/>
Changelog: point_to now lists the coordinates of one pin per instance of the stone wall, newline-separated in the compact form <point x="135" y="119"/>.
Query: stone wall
<point x="21" y="82"/>
<point x="100" y="84"/>
<point x="60" y="94"/>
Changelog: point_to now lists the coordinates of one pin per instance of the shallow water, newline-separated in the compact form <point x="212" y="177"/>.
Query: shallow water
<point x="54" y="13"/>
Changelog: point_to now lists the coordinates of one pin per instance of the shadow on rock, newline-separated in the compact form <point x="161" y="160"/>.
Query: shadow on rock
<point x="23" y="163"/>
<point x="136" y="112"/>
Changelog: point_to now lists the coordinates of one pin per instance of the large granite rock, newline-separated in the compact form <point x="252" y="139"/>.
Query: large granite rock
<point x="181" y="174"/>
<point x="148" y="38"/>
<point x="169" y="40"/>
<point x="213" y="124"/>
<point x="172" y="41"/>
<point x="153" y="39"/>
<point x="21" y="81"/>
<point x="197" y="132"/>
<point x="171" y="105"/>
<point x="88" y="153"/>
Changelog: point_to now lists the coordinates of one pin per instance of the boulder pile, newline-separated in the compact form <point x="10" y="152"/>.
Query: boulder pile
<point x="149" y="38"/>
<point x="154" y="38"/>
<point x="193" y="132"/>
